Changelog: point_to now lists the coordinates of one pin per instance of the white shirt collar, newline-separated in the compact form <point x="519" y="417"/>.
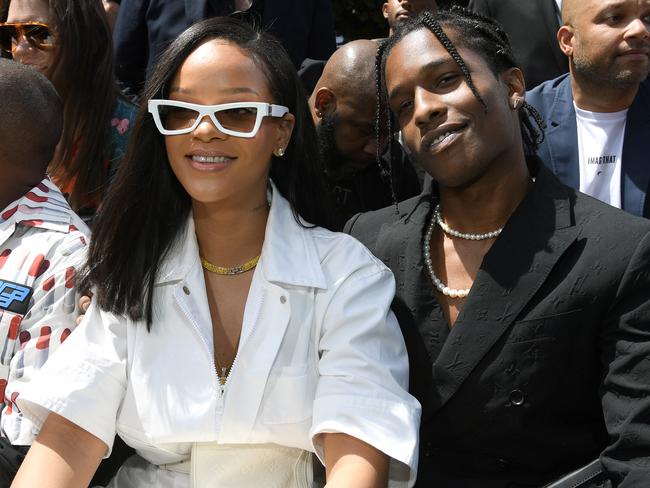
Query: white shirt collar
<point x="43" y="206"/>
<point x="289" y="254"/>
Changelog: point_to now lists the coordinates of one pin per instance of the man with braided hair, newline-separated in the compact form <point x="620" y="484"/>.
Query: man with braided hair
<point x="599" y="114"/>
<point x="528" y="337"/>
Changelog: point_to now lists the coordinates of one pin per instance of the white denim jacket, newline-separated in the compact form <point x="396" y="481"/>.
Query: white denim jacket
<point x="320" y="352"/>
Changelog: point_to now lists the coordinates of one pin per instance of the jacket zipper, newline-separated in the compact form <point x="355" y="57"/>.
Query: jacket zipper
<point x="205" y="344"/>
<point x="242" y="344"/>
<point x="221" y="388"/>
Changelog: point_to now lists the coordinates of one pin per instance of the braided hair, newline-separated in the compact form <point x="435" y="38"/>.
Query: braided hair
<point x="478" y="33"/>
<point x="385" y="171"/>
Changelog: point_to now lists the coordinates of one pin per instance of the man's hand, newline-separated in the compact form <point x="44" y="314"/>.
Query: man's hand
<point x="84" y="303"/>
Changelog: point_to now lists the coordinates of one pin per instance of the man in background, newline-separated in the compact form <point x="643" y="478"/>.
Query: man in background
<point x="344" y="109"/>
<point x="42" y="244"/>
<point x="145" y="28"/>
<point x="396" y="11"/>
<point x="598" y="116"/>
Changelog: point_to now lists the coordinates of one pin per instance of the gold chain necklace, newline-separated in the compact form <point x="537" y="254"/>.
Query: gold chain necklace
<point x="234" y="270"/>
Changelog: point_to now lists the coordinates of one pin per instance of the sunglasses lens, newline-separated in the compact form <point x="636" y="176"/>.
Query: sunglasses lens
<point x="7" y="36"/>
<point x="238" y="119"/>
<point x="38" y="35"/>
<point x="176" y="118"/>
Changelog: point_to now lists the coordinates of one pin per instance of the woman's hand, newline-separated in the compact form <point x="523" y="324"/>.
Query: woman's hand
<point x="63" y="455"/>
<point x="352" y="463"/>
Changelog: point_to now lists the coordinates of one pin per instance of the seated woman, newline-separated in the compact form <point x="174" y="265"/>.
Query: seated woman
<point x="69" y="41"/>
<point x="227" y="334"/>
<point x="525" y="304"/>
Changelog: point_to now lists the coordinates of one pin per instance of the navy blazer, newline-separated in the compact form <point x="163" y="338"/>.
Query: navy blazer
<point x="546" y="367"/>
<point x="145" y="28"/>
<point x="559" y="150"/>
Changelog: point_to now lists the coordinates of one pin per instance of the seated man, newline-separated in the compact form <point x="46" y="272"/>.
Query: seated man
<point x="42" y="244"/>
<point x="344" y="107"/>
<point x="597" y="139"/>
<point x="525" y="304"/>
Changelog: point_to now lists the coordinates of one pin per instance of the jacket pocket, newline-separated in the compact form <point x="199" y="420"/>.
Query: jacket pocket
<point x="289" y="396"/>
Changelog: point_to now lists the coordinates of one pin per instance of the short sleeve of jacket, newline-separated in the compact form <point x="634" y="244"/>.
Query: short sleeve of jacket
<point x="85" y="379"/>
<point x="363" y="371"/>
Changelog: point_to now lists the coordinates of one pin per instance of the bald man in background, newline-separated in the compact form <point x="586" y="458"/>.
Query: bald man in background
<point x="598" y="117"/>
<point x="397" y="11"/>
<point x="344" y="108"/>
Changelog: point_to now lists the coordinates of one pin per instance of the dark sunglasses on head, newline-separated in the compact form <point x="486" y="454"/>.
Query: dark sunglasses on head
<point x="37" y="34"/>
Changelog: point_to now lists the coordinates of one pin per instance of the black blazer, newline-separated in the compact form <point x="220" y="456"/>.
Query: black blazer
<point x="531" y="26"/>
<point x="555" y="331"/>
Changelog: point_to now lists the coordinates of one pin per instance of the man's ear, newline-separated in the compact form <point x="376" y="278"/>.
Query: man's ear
<point x="514" y="80"/>
<point x="384" y="10"/>
<point x="325" y="102"/>
<point x="565" y="38"/>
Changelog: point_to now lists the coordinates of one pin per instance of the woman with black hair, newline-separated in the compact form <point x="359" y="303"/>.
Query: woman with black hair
<point x="526" y="312"/>
<point x="229" y="338"/>
<point x="70" y="42"/>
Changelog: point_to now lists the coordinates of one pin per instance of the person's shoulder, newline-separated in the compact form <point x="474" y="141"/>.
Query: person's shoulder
<point x="342" y="256"/>
<point x="610" y="224"/>
<point x="365" y="226"/>
<point x="547" y="89"/>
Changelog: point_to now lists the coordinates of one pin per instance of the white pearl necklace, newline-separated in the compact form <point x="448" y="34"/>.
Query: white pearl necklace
<point x="436" y="218"/>
<point x="441" y="287"/>
<point x="469" y="236"/>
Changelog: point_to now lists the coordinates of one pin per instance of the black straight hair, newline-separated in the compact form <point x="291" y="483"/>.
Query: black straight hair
<point x="82" y="73"/>
<point x="146" y="207"/>
<point x="473" y="31"/>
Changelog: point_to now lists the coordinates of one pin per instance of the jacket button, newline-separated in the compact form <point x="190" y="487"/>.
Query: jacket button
<point x="502" y="464"/>
<point x="516" y="397"/>
<point x="283" y="299"/>
<point x="186" y="290"/>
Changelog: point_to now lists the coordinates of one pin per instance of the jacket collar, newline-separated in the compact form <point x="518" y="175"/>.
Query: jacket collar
<point x="563" y="148"/>
<point x="44" y="206"/>
<point x="289" y="254"/>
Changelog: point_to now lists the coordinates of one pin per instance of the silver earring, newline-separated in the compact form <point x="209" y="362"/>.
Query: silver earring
<point x="515" y="105"/>
<point x="279" y="152"/>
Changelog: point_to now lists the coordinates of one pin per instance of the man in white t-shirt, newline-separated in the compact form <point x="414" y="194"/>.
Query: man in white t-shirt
<point x="598" y="116"/>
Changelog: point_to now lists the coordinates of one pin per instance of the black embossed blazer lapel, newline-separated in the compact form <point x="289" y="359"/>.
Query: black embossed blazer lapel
<point x="511" y="273"/>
